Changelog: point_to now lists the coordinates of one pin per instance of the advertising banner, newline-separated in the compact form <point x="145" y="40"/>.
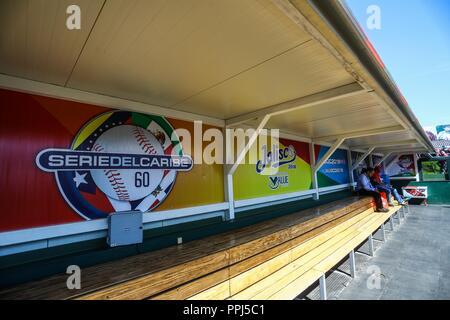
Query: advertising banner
<point x="434" y="170"/>
<point x="63" y="161"/>
<point x="402" y="166"/>
<point x="293" y="174"/>
<point x="335" y="170"/>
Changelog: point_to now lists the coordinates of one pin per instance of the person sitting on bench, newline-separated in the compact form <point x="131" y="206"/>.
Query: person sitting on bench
<point x="382" y="187"/>
<point x="365" y="188"/>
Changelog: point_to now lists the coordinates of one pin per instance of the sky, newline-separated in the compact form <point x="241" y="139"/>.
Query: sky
<point x="414" y="44"/>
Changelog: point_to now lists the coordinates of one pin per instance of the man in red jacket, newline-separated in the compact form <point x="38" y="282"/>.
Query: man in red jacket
<point x="376" y="181"/>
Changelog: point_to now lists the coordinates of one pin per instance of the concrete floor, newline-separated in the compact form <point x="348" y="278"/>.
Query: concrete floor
<point x="413" y="263"/>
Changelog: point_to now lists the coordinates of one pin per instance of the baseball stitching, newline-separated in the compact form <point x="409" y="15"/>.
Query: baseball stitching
<point x="143" y="142"/>
<point x="114" y="179"/>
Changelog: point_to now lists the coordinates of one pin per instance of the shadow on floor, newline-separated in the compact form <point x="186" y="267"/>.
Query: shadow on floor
<point x="413" y="263"/>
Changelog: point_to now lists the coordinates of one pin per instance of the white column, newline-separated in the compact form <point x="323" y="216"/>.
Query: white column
<point x="315" y="185"/>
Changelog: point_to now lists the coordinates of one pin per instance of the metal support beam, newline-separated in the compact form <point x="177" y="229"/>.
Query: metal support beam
<point x="252" y="139"/>
<point x="312" y="154"/>
<point x="351" y="259"/>
<point x="229" y="196"/>
<point x="383" y="232"/>
<point x="391" y="221"/>
<point x="371" y="251"/>
<point x="328" y="154"/>
<point x="230" y="169"/>
<point x="350" y="169"/>
<point x="362" y="158"/>
<point x="300" y="103"/>
<point x="383" y="159"/>
<point x="323" y="287"/>
<point x="370" y="160"/>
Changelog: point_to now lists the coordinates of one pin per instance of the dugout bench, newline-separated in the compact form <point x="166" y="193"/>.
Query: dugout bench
<point x="275" y="259"/>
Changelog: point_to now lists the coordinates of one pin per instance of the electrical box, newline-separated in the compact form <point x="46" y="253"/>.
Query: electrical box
<point x="124" y="228"/>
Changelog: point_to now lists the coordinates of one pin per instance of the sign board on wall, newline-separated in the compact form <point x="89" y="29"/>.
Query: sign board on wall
<point x="402" y="166"/>
<point x="335" y="170"/>
<point x="294" y="173"/>
<point x="63" y="162"/>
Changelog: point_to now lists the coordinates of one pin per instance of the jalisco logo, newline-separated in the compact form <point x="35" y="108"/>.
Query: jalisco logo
<point x="275" y="158"/>
<point x="272" y="162"/>
<point x="130" y="159"/>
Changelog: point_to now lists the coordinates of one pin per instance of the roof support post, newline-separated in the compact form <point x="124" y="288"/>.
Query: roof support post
<point x="350" y="169"/>
<point x="361" y="159"/>
<point x="312" y="154"/>
<point x="229" y="196"/>
<point x="231" y="169"/>
<point x="329" y="153"/>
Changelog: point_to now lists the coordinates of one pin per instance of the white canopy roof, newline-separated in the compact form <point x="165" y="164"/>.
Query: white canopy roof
<point x="231" y="62"/>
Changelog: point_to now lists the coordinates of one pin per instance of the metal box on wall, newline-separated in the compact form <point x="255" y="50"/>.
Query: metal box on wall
<point x="125" y="228"/>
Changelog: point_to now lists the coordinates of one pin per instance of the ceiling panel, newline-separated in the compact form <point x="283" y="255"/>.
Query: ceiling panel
<point x="352" y="122"/>
<point x="349" y="114"/>
<point x="304" y="70"/>
<point x="163" y="52"/>
<point x="35" y="42"/>
<point x="381" y="138"/>
<point x="363" y="103"/>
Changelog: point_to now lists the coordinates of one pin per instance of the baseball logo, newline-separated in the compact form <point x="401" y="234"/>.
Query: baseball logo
<point x="127" y="185"/>
<point x="119" y="161"/>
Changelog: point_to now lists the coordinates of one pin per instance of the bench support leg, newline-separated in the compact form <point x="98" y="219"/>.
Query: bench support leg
<point x="323" y="287"/>
<point x="371" y="245"/>
<point x="383" y="232"/>
<point x="352" y="263"/>
<point x="391" y="221"/>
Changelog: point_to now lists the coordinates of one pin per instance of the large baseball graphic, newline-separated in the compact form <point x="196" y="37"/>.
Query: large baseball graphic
<point x="127" y="184"/>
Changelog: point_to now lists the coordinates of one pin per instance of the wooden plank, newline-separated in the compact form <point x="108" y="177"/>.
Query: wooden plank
<point x="362" y="235"/>
<point x="195" y="286"/>
<point x="297" y="286"/>
<point x="259" y="258"/>
<point x="365" y="231"/>
<point x="260" y="244"/>
<point x="306" y="262"/>
<point x="154" y="283"/>
<point x="265" y="269"/>
<point x="371" y="223"/>
<point x="268" y="286"/>
<point x="218" y="292"/>
<point x="244" y="280"/>
<point x="325" y="236"/>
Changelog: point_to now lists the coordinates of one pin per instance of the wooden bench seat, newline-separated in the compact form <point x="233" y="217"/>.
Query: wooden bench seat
<point x="314" y="258"/>
<point x="227" y="265"/>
